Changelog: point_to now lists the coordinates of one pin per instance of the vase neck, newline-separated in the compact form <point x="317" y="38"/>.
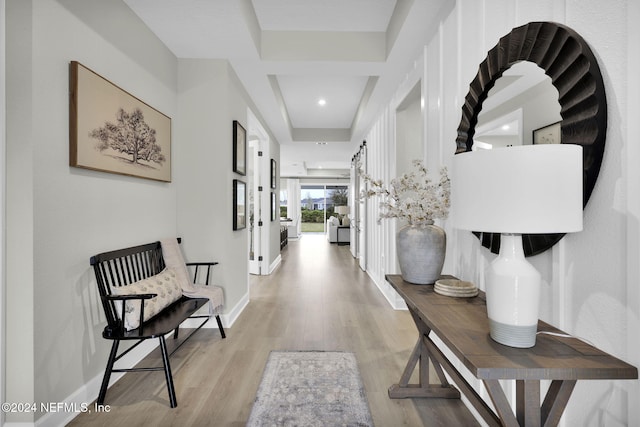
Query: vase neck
<point x="511" y="246"/>
<point x="422" y="224"/>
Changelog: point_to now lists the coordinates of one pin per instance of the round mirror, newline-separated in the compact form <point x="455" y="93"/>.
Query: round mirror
<point x="573" y="70"/>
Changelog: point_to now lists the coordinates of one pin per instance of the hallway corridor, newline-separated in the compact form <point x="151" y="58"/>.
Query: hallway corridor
<point x="317" y="299"/>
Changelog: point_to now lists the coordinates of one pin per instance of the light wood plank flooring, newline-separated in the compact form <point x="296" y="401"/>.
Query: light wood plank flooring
<point x="318" y="299"/>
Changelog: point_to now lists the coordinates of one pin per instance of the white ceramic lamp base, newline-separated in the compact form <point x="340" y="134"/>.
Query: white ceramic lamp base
<point x="513" y="295"/>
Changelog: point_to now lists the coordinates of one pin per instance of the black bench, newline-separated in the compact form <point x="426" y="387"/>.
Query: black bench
<point x="124" y="267"/>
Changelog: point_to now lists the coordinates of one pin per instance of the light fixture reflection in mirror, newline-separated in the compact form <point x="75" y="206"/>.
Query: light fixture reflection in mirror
<point x="523" y="99"/>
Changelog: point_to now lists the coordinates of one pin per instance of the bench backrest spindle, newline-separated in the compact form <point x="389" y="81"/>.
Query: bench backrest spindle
<point x="124" y="267"/>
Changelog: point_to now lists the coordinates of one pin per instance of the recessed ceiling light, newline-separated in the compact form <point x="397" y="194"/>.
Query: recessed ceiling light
<point x="321" y="143"/>
<point x="322" y="102"/>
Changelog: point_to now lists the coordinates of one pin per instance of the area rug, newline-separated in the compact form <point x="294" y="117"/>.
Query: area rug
<point x="310" y="388"/>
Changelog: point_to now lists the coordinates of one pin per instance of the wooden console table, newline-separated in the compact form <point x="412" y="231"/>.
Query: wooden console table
<point x="463" y="326"/>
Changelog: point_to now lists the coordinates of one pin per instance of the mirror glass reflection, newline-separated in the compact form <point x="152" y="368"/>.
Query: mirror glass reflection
<point x="522" y="100"/>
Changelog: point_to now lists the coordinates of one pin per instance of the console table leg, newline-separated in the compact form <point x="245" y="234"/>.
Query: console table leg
<point x="556" y="401"/>
<point x="411" y="364"/>
<point x="420" y="356"/>
<point x="528" y="410"/>
<point x="501" y="403"/>
<point x="528" y="402"/>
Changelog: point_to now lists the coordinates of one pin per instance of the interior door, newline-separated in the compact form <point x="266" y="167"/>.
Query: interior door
<point x="354" y="205"/>
<point x="360" y="237"/>
<point x="255" y="203"/>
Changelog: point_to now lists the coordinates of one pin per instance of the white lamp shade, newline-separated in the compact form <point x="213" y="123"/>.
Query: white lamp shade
<point x="522" y="189"/>
<point x="341" y="210"/>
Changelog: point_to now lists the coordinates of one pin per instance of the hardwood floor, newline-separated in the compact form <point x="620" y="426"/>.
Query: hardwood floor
<point x="318" y="299"/>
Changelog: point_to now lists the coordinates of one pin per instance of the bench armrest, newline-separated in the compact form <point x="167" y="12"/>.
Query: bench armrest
<point x="208" y="265"/>
<point x="124" y="298"/>
<point x="128" y="297"/>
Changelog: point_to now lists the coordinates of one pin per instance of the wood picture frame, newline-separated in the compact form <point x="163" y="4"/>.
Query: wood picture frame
<point x="274" y="174"/>
<point x="239" y="148"/>
<point x="112" y="131"/>
<point x="239" y="204"/>
<point x="550" y="134"/>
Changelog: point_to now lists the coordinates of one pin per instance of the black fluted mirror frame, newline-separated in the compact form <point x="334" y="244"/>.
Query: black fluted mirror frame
<point x="565" y="57"/>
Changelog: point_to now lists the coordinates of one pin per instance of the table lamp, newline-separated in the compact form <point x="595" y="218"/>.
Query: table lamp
<point x="517" y="190"/>
<point x="341" y="210"/>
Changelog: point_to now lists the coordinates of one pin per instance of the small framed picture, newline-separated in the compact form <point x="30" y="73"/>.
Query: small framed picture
<point x="274" y="174"/>
<point x="239" y="148"/>
<point x="274" y="206"/>
<point x="239" y="205"/>
<point x="550" y="134"/>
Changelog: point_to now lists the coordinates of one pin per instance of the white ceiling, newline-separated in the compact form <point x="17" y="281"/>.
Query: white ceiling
<point x="290" y="53"/>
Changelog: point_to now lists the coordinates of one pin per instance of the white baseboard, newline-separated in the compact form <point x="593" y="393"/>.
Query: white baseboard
<point x="389" y="293"/>
<point x="275" y="264"/>
<point x="228" y="319"/>
<point x="83" y="398"/>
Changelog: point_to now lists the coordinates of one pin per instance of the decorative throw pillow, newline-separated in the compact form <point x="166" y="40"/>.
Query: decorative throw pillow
<point x="164" y="285"/>
<point x="346" y="220"/>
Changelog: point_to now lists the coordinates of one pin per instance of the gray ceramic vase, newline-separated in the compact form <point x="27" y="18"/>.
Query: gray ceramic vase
<point x="421" y="253"/>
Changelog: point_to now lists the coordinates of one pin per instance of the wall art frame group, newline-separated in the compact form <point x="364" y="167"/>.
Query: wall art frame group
<point x="111" y="130"/>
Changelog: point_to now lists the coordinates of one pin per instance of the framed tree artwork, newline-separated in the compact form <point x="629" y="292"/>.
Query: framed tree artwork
<point x="239" y="148"/>
<point x="112" y="131"/>
<point x="239" y="205"/>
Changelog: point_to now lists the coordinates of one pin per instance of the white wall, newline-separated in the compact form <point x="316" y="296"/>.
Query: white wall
<point x="58" y="216"/>
<point x="210" y="98"/>
<point x="590" y="278"/>
<point x="204" y="175"/>
<point x="19" y="352"/>
<point x="2" y="201"/>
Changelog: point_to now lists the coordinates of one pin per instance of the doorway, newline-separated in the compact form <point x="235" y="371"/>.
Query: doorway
<point x="257" y="199"/>
<point x="318" y="202"/>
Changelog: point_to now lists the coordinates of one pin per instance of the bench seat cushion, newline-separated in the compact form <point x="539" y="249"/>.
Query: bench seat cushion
<point x="164" y="284"/>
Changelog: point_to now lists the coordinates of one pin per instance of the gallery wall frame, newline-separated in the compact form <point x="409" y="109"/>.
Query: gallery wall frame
<point x="274" y="174"/>
<point x="550" y="134"/>
<point x="239" y="148"/>
<point x="274" y="206"/>
<point x="239" y="204"/>
<point x="111" y="130"/>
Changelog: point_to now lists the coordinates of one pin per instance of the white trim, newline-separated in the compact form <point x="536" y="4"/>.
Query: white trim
<point x="392" y="297"/>
<point x="3" y="284"/>
<point x="275" y="264"/>
<point x="86" y="394"/>
<point x="262" y="177"/>
<point x="227" y="319"/>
